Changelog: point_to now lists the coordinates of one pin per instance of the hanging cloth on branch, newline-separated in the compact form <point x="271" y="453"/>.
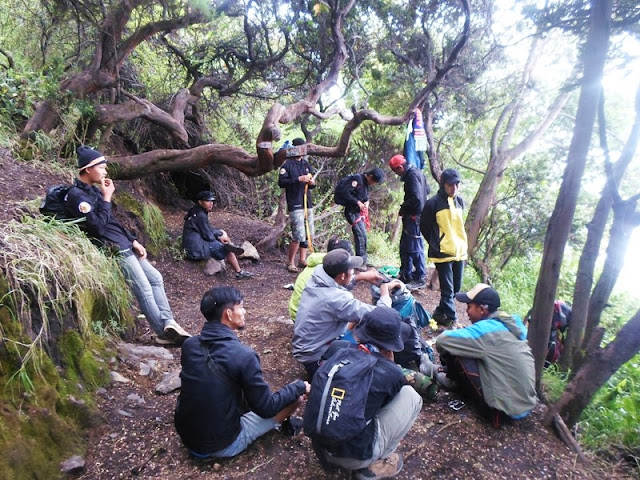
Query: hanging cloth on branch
<point x="415" y="143"/>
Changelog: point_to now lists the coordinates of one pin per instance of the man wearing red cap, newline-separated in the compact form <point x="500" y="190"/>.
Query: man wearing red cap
<point x="90" y="199"/>
<point x="412" y="265"/>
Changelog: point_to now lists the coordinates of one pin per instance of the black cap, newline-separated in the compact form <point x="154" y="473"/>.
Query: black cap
<point x="339" y="261"/>
<point x="450" y="176"/>
<point x="376" y="174"/>
<point x="383" y="327"/>
<point x="89" y="157"/>
<point x="339" y="243"/>
<point x="481" y="294"/>
<point x="206" y="196"/>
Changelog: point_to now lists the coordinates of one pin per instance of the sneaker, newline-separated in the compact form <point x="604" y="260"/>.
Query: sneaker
<point x="416" y="285"/>
<point x="291" y="426"/>
<point x="163" y="340"/>
<point x="230" y="247"/>
<point x="383" y="468"/>
<point x="175" y="333"/>
<point x="243" y="274"/>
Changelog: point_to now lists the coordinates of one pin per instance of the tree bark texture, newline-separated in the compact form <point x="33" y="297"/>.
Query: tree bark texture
<point x="586" y="265"/>
<point x="594" y="56"/>
<point x="601" y="365"/>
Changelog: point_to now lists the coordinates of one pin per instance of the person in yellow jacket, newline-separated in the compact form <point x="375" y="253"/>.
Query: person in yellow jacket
<point x="442" y="225"/>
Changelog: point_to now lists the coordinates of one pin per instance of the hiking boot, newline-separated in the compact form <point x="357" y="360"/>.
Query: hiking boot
<point x="383" y="468"/>
<point x="416" y="285"/>
<point x="291" y="426"/>
<point x="243" y="274"/>
<point x="174" y="332"/>
<point x="230" y="247"/>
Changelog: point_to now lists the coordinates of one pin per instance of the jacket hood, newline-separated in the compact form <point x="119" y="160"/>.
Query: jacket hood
<point x="194" y="210"/>
<point x="513" y="324"/>
<point x="315" y="259"/>
<point x="217" y="331"/>
<point x="320" y="278"/>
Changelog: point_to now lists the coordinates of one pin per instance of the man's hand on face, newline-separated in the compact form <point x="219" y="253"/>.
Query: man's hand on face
<point x="108" y="187"/>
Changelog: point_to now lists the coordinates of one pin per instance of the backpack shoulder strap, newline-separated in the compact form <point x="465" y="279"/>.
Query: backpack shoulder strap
<point x="216" y="369"/>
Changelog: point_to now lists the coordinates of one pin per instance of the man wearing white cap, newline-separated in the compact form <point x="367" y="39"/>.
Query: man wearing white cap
<point x="90" y="199"/>
<point x="491" y="359"/>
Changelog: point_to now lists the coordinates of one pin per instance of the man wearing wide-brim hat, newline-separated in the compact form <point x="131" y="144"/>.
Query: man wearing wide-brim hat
<point x="391" y="405"/>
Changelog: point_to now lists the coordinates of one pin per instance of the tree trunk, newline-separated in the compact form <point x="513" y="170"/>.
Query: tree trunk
<point x="561" y="219"/>
<point x="586" y="265"/>
<point x="602" y="364"/>
<point x="268" y="243"/>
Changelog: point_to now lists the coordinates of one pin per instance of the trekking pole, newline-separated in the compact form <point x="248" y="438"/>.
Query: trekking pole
<point x="306" y="211"/>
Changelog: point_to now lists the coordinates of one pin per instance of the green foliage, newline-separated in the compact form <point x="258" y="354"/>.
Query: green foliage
<point x="49" y="267"/>
<point x="517" y="283"/>
<point x="612" y="419"/>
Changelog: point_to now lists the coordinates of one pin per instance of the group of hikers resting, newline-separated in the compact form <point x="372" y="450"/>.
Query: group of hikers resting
<point x="367" y="366"/>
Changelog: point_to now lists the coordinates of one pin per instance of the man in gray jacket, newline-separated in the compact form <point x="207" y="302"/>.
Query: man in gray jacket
<point x="491" y="359"/>
<point x="327" y="308"/>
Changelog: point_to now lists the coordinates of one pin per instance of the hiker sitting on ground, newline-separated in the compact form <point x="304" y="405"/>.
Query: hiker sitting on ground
<point x="326" y="307"/>
<point x="296" y="177"/>
<point x="224" y="403"/>
<point x="390" y="410"/>
<point x="313" y="261"/>
<point x="85" y="200"/>
<point x="202" y="241"/>
<point x="490" y="359"/>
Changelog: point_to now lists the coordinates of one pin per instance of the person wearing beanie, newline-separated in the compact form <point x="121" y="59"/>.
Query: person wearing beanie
<point x="90" y="199"/>
<point x="327" y="307"/>
<point x="442" y="226"/>
<point x="490" y="359"/>
<point x="201" y="241"/>
<point x="412" y="263"/>
<point x="353" y="192"/>
<point x="296" y="177"/>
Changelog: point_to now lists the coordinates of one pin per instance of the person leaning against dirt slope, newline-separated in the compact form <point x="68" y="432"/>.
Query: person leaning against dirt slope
<point x="490" y="359"/>
<point x="85" y="200"/>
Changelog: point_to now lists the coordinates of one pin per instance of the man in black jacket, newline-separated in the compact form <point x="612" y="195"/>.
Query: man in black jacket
<point x="202" y="241"/>
<point x="224" y="403"/>
<point x="391" y="406"/>
<point x="353" y="192"/>
<point x="85" y="200"/>
<point x="412" y="264"/>
<point x="296" y="177"/>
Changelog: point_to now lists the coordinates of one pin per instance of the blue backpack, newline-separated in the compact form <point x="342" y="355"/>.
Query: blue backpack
<point x="335" y="411"/>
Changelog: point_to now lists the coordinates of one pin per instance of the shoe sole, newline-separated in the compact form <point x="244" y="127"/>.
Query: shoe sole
<point x="234" y="249"/>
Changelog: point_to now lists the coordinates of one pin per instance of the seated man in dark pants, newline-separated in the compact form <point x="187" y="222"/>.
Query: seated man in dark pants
<point x="225" y="404"/>
<point x="391" y="407"/>
<point x="202" y="241"/>
<point x="490" y="359"/>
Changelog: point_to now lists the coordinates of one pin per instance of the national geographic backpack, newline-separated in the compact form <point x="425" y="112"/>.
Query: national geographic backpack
<point x="335" y="411"/>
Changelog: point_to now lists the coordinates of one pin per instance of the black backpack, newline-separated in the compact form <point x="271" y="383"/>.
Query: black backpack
<point x="53" y="203"/>
<point x="335" y="411"/>
<point x="338" y="194"/>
